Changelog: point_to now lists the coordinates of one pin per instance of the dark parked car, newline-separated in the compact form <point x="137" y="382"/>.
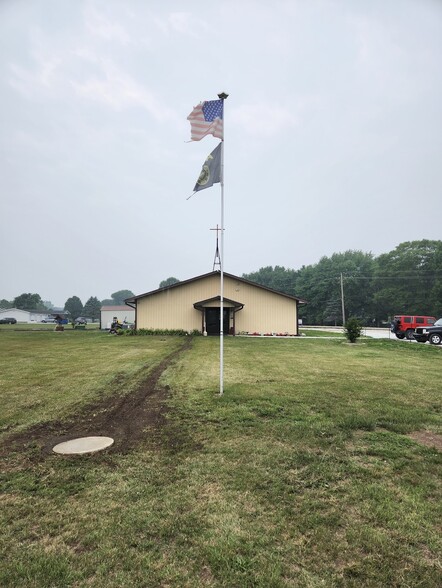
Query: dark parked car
<point x="8" y="321"/>
<point x="432" y="334"/>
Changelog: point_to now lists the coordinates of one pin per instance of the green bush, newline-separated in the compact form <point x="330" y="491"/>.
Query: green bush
<point x="352" y="329"/>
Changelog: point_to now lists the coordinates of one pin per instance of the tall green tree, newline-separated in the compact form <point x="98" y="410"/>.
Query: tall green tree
<point x="6" y="304"/>
<point x="333" y="312"/>
<point x="120" y="296"/>
<point x="278" y="278"/>
<point x="320" y="285"/>
<point x="169" y="282"/>
<point x="74" y="307"/>
<point x="408" y="280"/>
<point x="92" y="308"/>
<point x="436" y="299"/>
<point x="28" y="302"/>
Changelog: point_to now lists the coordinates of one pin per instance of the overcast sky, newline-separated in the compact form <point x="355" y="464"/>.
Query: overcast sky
<point x="333" y="136"/>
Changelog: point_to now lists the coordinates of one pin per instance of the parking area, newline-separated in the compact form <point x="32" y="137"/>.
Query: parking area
<point x="373" y="332"/>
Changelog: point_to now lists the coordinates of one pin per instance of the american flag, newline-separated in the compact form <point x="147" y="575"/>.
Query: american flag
<point x="206" y="119"/>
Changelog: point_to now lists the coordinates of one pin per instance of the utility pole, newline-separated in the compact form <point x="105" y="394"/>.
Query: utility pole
<point x="342" y="301"/>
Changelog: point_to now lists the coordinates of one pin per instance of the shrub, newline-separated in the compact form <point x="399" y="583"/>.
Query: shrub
<point x="352" y="329"/>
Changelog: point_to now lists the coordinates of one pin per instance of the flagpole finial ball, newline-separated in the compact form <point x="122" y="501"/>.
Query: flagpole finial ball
<point x="223" y="96"/>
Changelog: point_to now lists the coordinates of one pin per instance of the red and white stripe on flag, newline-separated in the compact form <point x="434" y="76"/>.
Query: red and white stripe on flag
<point x="200" y="127"/>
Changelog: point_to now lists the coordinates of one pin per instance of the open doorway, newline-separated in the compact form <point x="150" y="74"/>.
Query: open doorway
<point x="212" y="321"/>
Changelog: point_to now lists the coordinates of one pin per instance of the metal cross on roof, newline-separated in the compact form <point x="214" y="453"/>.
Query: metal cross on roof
<point x="217" y="260"/>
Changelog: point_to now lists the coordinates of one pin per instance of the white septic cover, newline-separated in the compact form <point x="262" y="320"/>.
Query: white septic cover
<point x="83" y="445"/>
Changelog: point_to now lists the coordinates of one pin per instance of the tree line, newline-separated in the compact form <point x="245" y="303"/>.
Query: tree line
<point x="407" y="280"/>
<point x="73" y="305"/>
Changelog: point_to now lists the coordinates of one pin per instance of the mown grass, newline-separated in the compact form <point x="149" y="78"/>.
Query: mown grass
<point x="45" y="375"/>
<point x="302" y="474"/>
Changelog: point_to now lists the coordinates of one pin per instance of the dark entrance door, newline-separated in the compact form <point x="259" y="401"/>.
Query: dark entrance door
<point x="212" y="321"/>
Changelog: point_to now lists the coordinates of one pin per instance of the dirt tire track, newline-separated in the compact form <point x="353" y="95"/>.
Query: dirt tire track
<point x="124" y="418"/>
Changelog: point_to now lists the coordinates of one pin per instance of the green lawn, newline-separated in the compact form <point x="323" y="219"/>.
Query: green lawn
<point x="302" y="474"/>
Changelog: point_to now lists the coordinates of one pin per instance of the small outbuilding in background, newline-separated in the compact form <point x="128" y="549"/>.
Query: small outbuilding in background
<point x="124" y="313"/>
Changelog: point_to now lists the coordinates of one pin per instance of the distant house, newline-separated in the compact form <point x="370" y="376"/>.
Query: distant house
<point x="123" y="313"/>
<point x="195" y="305"/>
<point x="23" y="316"/>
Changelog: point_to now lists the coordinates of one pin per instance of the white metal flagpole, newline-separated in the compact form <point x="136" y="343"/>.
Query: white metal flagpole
<point x="222" y="97"/>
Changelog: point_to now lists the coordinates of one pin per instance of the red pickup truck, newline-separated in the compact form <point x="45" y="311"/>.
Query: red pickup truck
<point x="404" y="325"/>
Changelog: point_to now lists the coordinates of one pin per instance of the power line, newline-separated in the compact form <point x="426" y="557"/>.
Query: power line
<point x="393" y="277"/>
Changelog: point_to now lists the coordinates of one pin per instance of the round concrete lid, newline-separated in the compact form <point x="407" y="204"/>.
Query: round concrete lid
<point x="83" y="445"/>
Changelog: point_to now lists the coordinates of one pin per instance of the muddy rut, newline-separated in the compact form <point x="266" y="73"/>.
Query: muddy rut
<point x="127" y="419"/>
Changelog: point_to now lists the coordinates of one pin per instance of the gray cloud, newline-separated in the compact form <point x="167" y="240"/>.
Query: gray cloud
<point x="333" y="130"/>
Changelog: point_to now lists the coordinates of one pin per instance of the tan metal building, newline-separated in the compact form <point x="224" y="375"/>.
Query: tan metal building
<point x="195" y="305"/>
